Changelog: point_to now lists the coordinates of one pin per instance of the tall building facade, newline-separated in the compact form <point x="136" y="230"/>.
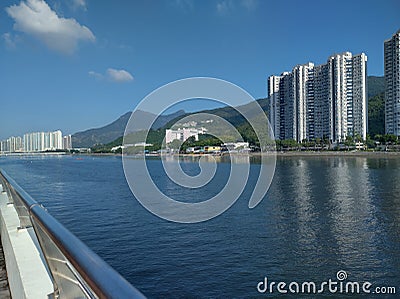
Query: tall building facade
<point x="392" y="84"/>
<point x="43" y="141"/>
<point x="273" y="84"/>
<point x="11" y="145"/>
<point x="36" y="142"/>
<point x="324" y="101"/>
<point x="67" y="142"/>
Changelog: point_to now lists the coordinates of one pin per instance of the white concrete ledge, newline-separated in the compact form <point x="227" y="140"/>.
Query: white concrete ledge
<point x="28" y="276"/>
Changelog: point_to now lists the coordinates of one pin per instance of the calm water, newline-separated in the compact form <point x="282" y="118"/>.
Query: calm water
<point x="321" y="215"/>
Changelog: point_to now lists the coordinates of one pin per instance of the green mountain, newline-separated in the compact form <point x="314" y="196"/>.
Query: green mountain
<point x="228" y="113"/>
<point x="376" y="89"/>
<point x="112" y="131"/>
<point x="376" y="105"/>
<point x="376" y="85"/>
<point x="376" y="109"/>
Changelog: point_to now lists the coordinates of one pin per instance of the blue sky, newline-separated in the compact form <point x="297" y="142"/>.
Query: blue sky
<point x="78" y="64"/>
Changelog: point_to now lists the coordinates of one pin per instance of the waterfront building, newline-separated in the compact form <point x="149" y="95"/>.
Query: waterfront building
<point x="15" y="144"/>
<point x="36" y="142"/>
<point x="274" y="102"/>
<point x="183" y="134"/>
<point x="325" y="101"/>
<point x="212" y="149"/>
<point x="43" y="141"/>
<point x="67" y="142"/>
<point x="392" y="84"/>
<point x="3" y="146"/>
<point x="11" y="145"/>
<point x="236" y="145"/>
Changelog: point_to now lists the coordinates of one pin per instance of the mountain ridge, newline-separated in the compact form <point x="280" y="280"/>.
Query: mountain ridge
<point x="114" y="130"/>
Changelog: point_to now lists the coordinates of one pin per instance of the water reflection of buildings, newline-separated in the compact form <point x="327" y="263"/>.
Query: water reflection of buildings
<point x="352" y="215"/>
<point x="327" y="208"/>
<point x="305" y="208"/>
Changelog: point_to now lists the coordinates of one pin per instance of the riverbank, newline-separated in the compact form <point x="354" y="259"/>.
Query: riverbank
<point x="277" y="153"/>
<point x="310" y="154"/>
<point x="333" y="153"/>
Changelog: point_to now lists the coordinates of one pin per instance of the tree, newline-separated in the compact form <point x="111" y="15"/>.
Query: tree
<point x="358" y="138"/>
<point x="386" y="139"/>
<point x="349" y="142"/>
<point x="370" y="142"/>
<point x="391" y="138"/>
<point x="175" y="144"/>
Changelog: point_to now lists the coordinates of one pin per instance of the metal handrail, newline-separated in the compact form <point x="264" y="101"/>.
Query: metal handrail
<point x="77" y="272"/>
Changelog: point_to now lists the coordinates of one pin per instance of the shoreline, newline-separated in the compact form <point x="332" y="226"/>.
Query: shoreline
<point x="336" y="154"/>
<point x="305" y="154"/>
<point x="288" y="154"/>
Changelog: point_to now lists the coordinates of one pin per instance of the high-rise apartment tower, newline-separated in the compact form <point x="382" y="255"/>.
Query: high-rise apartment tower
<point x="327" y="101"/>
<point x="392" y="84"/>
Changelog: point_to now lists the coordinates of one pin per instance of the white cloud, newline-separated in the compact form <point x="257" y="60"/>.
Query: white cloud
<point x="95" y="75"/>
<point x="113" y="75"/>
<point x="36" y="18"/>
<point x="79" y="4"/>
<point x="119" y="75"/>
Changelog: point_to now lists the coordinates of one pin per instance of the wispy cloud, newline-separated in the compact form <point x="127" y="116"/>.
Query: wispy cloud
<point x="10" y="40"/>
<point x="249" y="4"/>
<point x="224" y="7"/>
<point x="79" y="4"/>
<point x="227" y="6"/>
<point x="95" y="75"/>
<point x="113" y="75"/>
<point x="37" y="19"/>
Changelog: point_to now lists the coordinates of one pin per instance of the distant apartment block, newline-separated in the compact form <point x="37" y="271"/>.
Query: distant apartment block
<point x="67" y="142"/>
<point x="392" y="84"/>
<point x="36" y="142"/>
<point x="11" y="145"/>
<point x="43" y="141"/>
<point x="183" y="134"/>
<point x="324" y="101"/>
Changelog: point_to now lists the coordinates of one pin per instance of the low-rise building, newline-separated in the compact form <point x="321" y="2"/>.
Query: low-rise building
<point x="212" y="149"/>
<point x="183" y="134"/>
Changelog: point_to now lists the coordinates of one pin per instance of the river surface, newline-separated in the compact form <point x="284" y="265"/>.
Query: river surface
<point x="321" y="215"/>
